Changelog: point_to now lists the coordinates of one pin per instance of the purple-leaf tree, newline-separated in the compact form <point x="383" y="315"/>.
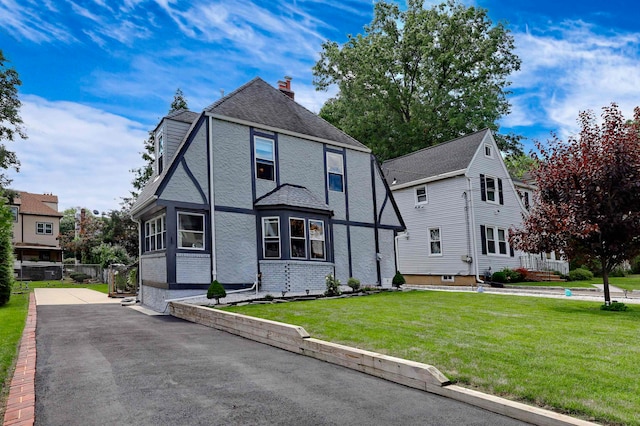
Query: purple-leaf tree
<point x="588" y="197"/>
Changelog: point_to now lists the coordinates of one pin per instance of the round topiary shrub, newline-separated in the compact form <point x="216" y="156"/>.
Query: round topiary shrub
<point x="398" y="280"/>
<point x="216" y="291"/>
<point x="354" y="283"/>
<point x="580" y="274"/>
<point x="499" y="277"/>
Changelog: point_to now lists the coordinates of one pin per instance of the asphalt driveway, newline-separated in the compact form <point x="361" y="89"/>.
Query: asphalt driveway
<point x="101" y="364"/>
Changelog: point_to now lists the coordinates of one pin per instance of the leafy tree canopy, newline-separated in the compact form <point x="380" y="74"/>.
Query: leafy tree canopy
<point x="419" y="77"/>
<point x="179" y="102"/>
<point x="587" y="204"/>
<point x="518" y="164"/>
<point x="10" y="121"/>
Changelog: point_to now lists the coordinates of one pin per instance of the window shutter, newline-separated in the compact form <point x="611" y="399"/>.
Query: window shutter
<point x="512" y="254"/>
<point x="483" y="239"/>
<point x="500" y="191"/>
<point x="482" y="188"/>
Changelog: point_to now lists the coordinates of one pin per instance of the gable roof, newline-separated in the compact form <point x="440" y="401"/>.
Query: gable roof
<point x="288" y="195"/>
<point x="260" y="103"/>
<point x="436" y="160"/>
<point x="35" y="204"/>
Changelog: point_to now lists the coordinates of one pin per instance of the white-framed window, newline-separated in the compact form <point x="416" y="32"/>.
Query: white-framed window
<point x="191" y="231"/>
<point x="421" y="195"/>
<point x="488" y="152"/>
<point x="160" y="152"/>
<point x="447" y="279"/>
<point x="316" y="237"/>
<point x="335" y="171"/>
<point x="271" y="237"/>
<point x="298" y="238"/>
<point x="14" y="213"/>
<point x="435" y="242"/>
<point x="44" y="228"/>
<point x="265" y="158"/>
<point x="495" y="240"/>
<point x="155" y="234"/>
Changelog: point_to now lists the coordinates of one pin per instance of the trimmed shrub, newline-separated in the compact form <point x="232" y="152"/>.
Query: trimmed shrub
<point x="512" y="276"/>
<point x="354" y="284"/>
<point x="216" y="291"/>
<point x="79" y="277"/>
<point x="614" y="306"/>
<point x="499" y="277"/>
<point x="523" y="272"/>
<point x="398" y="280"/>
<point x="580" y="274"/>
<point x="333" y="286"/>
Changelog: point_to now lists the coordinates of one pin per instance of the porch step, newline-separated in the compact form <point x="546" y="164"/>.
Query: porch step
<point x="544" y="276"/>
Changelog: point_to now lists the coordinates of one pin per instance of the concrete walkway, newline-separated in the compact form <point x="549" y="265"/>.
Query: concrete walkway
<point x="71" y="296"/>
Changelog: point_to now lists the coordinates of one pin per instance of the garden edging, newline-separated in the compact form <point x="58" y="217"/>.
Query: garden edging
<point x="409" y="373"/>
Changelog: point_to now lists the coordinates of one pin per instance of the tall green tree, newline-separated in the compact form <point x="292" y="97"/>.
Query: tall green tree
<point x="419" y="77"/>
<point x="10" y="121"/>
<point x="179" y="102"/>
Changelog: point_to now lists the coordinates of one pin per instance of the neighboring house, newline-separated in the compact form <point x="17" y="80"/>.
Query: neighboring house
<point x="258" y="188"/>
<point x="458" y="202"/>
<point x="36" y="225"/>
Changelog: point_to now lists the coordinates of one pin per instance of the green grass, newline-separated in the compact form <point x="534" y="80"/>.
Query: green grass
<point x="13" y="317"/>
<point x="568" y="356"/>
<point x="630" y="282"/>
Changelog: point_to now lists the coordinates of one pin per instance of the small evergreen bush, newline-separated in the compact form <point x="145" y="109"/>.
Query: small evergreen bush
<point x="79" y="277"/>
<point x="499" y="277"/>
<point x="512" y="276"/>
<point x="216" y="291"/>
<point x="354" y="283"/>
<point x="398" y="280"/>
<point x="333" y="286"/>
<point x="580" y="274"/>
<point x="615" y="306"/>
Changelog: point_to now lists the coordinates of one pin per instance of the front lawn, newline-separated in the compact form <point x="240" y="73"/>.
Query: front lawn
<point x="630" y="282"/>
<point x="561" y="354"/>
<point x="13" y="317"/>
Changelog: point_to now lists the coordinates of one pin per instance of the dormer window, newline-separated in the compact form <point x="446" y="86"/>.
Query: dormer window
<point x="160" y="156"/>
<point x="265" y="158"/>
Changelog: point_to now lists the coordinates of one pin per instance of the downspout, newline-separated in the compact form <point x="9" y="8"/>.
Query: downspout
<point x="214" y="257"/>
<point x="473" y="233"/>
<point x="405" y="235"/>
<point x="139" y="283"/>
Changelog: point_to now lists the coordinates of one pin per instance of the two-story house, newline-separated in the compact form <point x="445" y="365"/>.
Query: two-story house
<point x="458" y="202"/>
<point x="256" y="188"/>
<point x="36" y="225"/>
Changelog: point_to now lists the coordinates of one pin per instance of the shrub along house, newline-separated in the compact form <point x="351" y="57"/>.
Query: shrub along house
<point x="458" y="202"/>
<point x="258" y="188"/>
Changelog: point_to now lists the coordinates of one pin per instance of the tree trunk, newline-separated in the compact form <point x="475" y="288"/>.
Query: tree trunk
<point x="605" y="281"/>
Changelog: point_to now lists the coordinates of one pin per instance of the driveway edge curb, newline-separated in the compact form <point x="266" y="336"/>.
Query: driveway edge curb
<point x="409" y="373"/>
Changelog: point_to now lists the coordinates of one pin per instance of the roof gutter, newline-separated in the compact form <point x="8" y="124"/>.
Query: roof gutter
<point x="143" y="205"/>
<point x="428" y="179"/>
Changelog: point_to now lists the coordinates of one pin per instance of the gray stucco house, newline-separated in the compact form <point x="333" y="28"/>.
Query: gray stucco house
<point x="258" y="188"/>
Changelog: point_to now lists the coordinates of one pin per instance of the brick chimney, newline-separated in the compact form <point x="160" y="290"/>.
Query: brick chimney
<point x="285" y="86"/>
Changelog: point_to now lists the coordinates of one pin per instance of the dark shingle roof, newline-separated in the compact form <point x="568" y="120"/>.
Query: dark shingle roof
<point x="260" y="103"/>
<point x="442" y="158"/>
<point x="183" y="115"/>
<point x="292" y="196"/>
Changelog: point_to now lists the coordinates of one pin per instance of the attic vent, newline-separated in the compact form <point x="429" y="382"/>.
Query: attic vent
<point x="285" y="86"/>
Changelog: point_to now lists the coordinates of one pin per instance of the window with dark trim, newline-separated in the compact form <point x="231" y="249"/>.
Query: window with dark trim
<point x="271" y="237"/>
<point x="160" y="153"/>
<point x="191" y="231"/>
<point x="335" y="171"/>
<point x="14" y="213"/>
<point x="298" y="238"/>
<point x="44" y="228"/>
<point x="265" y="158"/>
<point x="495" y="241"/>
<point x="155" y="234"/>
<point x="491" y="189"/>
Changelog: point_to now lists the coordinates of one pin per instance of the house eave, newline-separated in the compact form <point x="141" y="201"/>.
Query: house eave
<point x="441" y="176"/>
<point x="287" y="132"/>
<point x="143" y="206"/>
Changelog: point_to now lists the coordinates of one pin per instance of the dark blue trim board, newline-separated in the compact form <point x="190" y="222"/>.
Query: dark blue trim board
<point x="375" y="217"/>
<point x="194" y="180"/>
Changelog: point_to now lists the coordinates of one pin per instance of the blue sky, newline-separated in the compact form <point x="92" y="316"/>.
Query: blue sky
<point x="98" y="74"/>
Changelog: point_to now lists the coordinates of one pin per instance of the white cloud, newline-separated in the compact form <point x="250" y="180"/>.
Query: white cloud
<point x="570" y="68"/>
<point x="79" y="153"/>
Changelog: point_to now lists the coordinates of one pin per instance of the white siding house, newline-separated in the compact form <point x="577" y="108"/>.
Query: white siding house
<point x="458" y="202"/>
